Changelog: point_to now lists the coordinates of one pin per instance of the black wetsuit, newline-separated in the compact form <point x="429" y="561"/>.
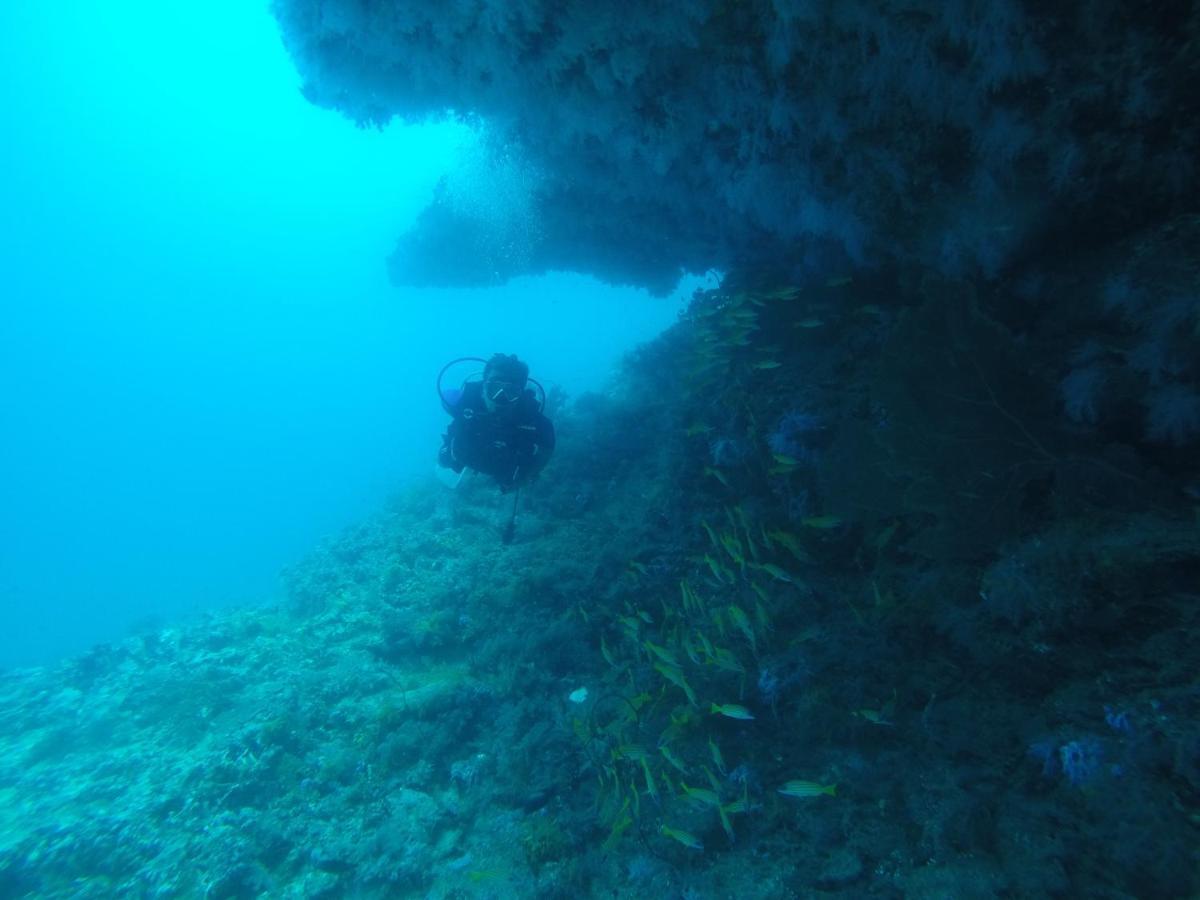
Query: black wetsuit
<point x="510" y="444"/>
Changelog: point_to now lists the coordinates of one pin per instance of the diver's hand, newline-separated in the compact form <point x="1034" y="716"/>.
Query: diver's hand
<point x="447" y="461"/>
<point x="514" y="481"/>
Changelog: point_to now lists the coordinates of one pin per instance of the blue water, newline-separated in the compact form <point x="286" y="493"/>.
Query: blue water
<point x="204" y="366"/>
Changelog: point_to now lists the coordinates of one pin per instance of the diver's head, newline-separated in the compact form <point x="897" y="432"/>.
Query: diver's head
<point x="504" y="379"/>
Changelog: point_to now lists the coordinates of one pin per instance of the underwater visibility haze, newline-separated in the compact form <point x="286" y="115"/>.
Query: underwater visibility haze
<point x="841" y="538"/>
<point x="205" y="368"/>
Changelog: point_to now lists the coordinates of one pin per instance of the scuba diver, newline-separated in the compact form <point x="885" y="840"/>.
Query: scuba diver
<point x="498" y="427"/>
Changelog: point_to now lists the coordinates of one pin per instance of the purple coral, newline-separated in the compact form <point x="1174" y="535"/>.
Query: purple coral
<point x="792" y="432"/>
<point x="1046" y="752"/>
<point x="778" y="676"/>
<point x="1118" y="720"/>
<point x="1081" y="390"/>
<point x="1080" y="760"/>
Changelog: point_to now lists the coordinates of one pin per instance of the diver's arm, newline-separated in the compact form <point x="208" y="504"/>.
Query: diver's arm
<point x="544" y="445"/>
<point x="538" y="450"/>
<point x="447" y="457"/>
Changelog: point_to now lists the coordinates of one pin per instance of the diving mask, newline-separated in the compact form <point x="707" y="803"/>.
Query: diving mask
<point x="502" y="392"/>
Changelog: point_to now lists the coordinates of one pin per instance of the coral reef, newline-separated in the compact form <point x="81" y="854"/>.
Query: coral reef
<point x="812" y="134"/>
<point x="974" y="596"/>
<point x="875" y="575"/>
